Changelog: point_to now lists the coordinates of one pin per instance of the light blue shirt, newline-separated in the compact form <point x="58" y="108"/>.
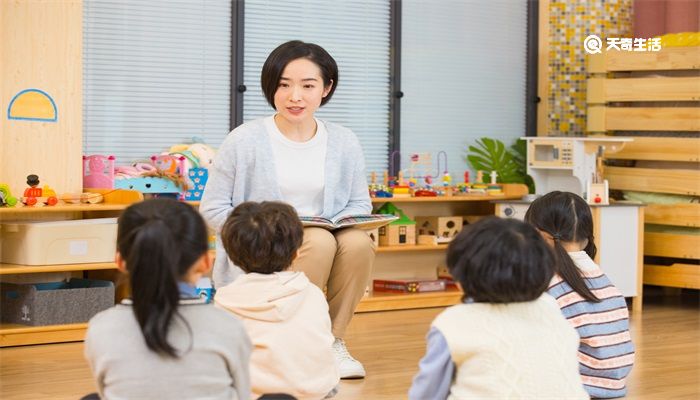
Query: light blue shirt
<point x="244" y="170"/>
<point x="436" y="370"/>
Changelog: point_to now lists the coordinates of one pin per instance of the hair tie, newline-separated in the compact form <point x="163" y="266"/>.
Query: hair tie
<point x="556" y="236"/>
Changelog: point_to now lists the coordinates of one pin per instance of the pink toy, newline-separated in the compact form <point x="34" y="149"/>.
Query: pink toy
<point x="98" y="171"/>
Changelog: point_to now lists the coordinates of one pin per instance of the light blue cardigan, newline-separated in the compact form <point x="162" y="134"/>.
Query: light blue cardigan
<point x="244" y="170"/>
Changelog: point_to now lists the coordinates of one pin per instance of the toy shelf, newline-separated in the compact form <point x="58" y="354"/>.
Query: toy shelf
<point x="21" y="209"/>
<point x="6" y="269"/>
<point x="381" y="301"/>
<point x="19" y="335"/>
<point x="420" y="261"/>
<point x="22" y="335"/>
<point x="510" y="191"/>
<point x="415" y="247"/>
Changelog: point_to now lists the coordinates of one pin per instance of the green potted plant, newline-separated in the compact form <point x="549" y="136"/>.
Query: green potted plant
<point x="509" y="163"/>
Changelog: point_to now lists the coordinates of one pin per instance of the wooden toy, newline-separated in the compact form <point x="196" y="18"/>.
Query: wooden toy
<point x="6" y="197"/>
<point x="444" y="228"/>
<point x="85" y="198"/>
<point x="399" y="232"/>
<point x="34" y="195"/>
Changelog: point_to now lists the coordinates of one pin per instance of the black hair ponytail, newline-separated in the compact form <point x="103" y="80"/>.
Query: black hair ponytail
<point x="159" y="240"/>
<point x="566" y="217"/>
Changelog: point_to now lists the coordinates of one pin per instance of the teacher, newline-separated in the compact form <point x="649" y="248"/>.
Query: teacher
<point x="314" y="165"/>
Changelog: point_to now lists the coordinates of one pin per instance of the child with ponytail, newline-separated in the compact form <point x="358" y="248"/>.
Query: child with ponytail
<point x="586" y="296"/>
<point x="165" y="342"/>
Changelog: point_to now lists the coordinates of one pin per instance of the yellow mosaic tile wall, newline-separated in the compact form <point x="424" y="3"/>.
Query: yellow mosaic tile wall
<point x="570" y="22"/>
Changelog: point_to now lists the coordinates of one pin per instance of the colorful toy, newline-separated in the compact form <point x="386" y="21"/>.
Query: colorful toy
<point x="399" y="232"/>
<point x="162" y="176"/>
<point x="6" y="197"/>
<point x="33" y="194"/>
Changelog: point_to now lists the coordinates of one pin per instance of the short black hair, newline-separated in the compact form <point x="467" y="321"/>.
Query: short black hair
<point x="262" y="237"/>
<point x="498" y="260"/>
<point x="287" y="52"/>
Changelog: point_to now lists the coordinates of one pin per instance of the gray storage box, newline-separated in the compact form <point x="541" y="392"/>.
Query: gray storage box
<point x="54" y="303"/>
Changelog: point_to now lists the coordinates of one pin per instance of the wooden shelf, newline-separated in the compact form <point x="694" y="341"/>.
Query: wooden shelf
<point x="442" y="199"/>
<point x="21" y="335"/>
<point x="6" y="269"/>
<point x="413" y="247"/>
<point x="114" y="200"/>
<point x="22" y="209"/>
<point x="379" y="301"/>
<point x="510" y="191"/>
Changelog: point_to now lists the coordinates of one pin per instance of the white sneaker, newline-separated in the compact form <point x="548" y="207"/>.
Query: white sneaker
<point x="348" y="367"/>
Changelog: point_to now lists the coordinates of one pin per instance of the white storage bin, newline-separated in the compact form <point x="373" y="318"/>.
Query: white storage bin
<point x="58" y="242"/>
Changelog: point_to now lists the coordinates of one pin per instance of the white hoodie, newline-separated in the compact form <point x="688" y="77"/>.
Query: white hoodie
<point x="287" y="319"/>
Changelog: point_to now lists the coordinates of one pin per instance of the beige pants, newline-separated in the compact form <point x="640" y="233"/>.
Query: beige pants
<point x="341" y="263"/>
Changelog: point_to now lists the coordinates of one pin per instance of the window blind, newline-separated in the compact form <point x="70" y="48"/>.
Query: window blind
<point x="357" y="34"/>
<point x="463" y="72"/>
<point x="155" y="73"/>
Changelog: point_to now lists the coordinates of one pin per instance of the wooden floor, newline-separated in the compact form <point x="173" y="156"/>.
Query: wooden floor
<point x="390" y="344"/>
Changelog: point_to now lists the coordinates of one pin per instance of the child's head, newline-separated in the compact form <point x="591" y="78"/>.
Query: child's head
<point x="262" y="237"/>
<point x="564" y="219"/>
<point x="159" y="243"/>
<point x="499" y="260"/>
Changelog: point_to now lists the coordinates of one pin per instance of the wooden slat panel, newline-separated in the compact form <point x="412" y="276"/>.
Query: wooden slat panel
<point x="677" y="181"/>
<point x="673" y="214"/>
<point x="671" y="245"/>
<point x="670" y="58"/>
<point x="643" y="89"/>
<point x="595" y="119"/>
<point x="652" y="119"/>
<point x="659" y="148"/>
<point x="676" y="275"/>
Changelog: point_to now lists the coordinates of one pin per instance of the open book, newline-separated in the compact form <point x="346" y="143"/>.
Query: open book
<point x="365" y="221"/>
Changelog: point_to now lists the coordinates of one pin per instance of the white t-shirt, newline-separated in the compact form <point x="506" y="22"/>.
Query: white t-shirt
<point x="300" y="168"/>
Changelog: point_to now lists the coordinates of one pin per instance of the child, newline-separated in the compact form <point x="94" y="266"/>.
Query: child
<point x="508" y="339"/>
<point x="588" y="299"/>
<point x="285" y="314"/>
<point x="165" y="342"/>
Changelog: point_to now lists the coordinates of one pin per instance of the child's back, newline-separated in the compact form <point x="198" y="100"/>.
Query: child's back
<point x="513" y="350"/>
<point x="285" y="315"/>
<point x="508" y="339"/>
<point x="606" y="353"/>
<point x="214" y="352"/>
<point x="165" y="342"/>
<point x="587" y="298"/>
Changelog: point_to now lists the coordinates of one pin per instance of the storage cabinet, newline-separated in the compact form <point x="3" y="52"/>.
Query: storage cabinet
<point x="15" y="334"/>
<point x="421" y="261"/>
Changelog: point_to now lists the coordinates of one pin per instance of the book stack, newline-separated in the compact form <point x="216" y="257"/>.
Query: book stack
<point x="408" y="285"/>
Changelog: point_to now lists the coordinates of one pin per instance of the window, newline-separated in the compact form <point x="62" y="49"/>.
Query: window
<point x="357" y="34"/>
<point x="155" y="73"/>
<point x="463" y="73"/>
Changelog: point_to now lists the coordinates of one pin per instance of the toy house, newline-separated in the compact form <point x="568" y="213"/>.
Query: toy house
<point x="399" y="232"/>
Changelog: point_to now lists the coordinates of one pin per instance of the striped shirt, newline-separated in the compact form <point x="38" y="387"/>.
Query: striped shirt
<point x="606" y="353"/>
